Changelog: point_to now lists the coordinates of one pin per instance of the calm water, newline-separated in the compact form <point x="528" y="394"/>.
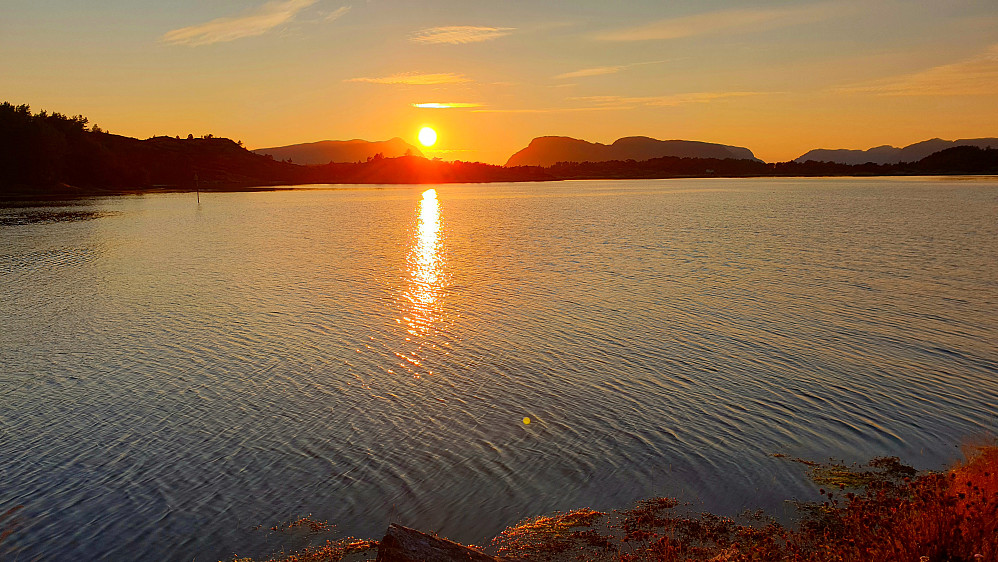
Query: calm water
<point x="174" y="375"/>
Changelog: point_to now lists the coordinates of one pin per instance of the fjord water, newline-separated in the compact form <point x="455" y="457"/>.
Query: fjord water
<point x="175" y="374"/>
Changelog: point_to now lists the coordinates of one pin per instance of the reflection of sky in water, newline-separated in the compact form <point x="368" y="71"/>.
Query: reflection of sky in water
<point x="420" y="307"/>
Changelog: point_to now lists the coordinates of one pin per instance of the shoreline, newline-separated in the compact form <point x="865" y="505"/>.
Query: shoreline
<point x="879" y="511"/>
<point x="64" y="191"/>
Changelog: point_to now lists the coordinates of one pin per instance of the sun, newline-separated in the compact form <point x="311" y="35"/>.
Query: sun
<point x="427" y="136"/>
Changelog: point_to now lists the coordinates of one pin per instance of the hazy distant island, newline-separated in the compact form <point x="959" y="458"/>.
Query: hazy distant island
<point x="548" y="151"/>
<point x="329" y="151"/>
<point x="54" y="154"/>
<point x="887" y="154"/>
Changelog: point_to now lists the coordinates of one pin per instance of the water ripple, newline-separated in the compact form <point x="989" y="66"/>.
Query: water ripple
<point x="175" y="375"/>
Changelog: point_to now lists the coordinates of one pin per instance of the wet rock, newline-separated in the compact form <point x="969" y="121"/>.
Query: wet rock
<point x="402" y="544"/>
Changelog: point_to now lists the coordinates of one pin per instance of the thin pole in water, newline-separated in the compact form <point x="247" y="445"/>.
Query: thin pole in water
<point x="197" y="187"/>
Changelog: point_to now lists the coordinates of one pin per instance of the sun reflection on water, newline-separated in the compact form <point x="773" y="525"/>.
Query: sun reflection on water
<point x="425" y="267"/>
<point x="420" y="306"/>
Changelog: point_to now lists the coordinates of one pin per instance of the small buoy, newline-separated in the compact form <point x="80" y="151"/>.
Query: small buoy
<point x="526" y="421"/>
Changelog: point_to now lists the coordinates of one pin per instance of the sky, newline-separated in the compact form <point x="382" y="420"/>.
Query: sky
<point x="777" y="77"/>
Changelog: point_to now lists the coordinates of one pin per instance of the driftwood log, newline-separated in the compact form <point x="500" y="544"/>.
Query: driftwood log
<point x="402" y="544"/>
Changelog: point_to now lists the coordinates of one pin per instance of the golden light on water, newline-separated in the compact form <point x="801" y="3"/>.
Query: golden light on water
<point x="420" y="305"/>
<point x="425" y="269"/>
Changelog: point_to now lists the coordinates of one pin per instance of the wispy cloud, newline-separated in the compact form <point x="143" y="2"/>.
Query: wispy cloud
<point x="624" y="102"/>
<point x="416" y="79"/>
<point x="977" y="75"/>
<point x="727" y="21"/>
<point x="595" y="71"/>
<point x="601" y="70"/>
<point x="446" y="105"/>
<point x="618" y="103"/>
<point x="252" y="23"/>
<point x="459" y="34"/>
<point x="337" y="13"/>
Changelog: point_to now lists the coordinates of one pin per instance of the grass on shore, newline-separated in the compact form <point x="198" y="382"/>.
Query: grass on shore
<point x="878" y="512"/>
<point x="881" y="511"/>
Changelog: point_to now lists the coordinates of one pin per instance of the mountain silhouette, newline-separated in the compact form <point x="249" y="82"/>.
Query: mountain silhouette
<point x="324" y="152"/>
<point x="547" y="151"/>
<point x="887" y="154"/>
<point x="51" y="154"/>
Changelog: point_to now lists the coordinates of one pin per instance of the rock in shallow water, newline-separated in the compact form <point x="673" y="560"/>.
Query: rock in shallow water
<point x="402" y="544"/>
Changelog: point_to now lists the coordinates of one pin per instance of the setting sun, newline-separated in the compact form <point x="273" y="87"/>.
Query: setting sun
<point x="709" y="242"/>
<point x="427" y="136"/>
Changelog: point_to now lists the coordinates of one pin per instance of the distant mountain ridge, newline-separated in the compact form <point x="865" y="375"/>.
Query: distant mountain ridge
<point x="888" y="154"/>
<point x="324" y="152"/>
<point x="49" y="154"/>
<point x="547" y="151"/>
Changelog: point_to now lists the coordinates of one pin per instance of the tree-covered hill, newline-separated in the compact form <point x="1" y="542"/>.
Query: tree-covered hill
<point x="49" y="154"/>
<point x="45" y="153"/>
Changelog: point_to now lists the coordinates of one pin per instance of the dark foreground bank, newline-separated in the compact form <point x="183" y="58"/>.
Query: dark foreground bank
<point x="881" y="511"/>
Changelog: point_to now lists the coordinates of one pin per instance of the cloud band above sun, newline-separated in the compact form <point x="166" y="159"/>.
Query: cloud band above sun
<point x="458" y="34"/>
<point x="255" y="22"/>
<point x="446" y="105"/>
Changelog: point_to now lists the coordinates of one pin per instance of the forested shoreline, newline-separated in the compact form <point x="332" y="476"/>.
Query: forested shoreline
<point x="46" y="154"/>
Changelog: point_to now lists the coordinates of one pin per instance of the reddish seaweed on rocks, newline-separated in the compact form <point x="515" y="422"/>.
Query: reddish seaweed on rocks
<point x="879" y="511"/>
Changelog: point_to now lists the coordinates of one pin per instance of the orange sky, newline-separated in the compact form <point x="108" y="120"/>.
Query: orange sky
<point x="777" y="77"/>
